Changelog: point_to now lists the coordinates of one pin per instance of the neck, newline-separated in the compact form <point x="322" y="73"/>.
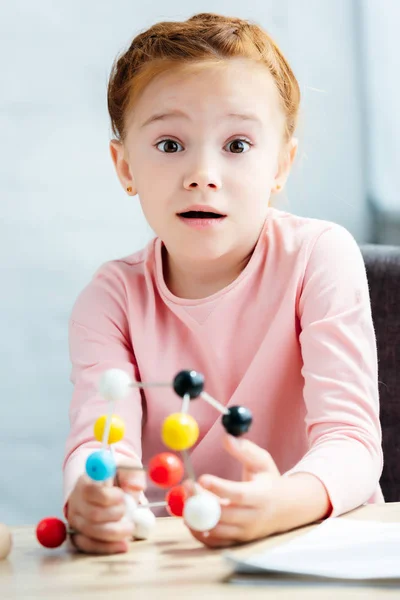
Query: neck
<point x="195" y="281"/>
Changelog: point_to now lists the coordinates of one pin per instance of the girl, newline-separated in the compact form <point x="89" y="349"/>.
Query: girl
<point x="274" y="309"/>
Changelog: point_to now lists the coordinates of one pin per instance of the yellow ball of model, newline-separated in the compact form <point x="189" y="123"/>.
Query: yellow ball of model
<point x="117" y="429"/>
<point x="180" y="431"/>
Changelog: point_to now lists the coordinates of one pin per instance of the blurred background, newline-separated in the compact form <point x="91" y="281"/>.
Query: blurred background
<point x="63" y="212"/>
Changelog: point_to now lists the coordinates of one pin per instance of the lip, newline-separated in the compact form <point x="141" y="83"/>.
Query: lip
<point x="202" y="223"/>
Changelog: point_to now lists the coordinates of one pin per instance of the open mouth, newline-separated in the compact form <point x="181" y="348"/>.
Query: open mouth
<point x="199" y="214"/>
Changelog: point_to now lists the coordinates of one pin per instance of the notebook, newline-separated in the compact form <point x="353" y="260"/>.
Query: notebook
<point x="337" y="549"/>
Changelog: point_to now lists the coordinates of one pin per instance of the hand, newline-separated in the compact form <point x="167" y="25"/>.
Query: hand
<point x="132" y="481"/>
<point x="249" y="508"/>
<point x="97" y="512"/>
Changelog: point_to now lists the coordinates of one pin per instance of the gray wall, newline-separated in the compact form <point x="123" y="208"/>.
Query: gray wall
<point x="381" y="52"/>
<point x="63" y="212"/>
<point x="381" y="82"/>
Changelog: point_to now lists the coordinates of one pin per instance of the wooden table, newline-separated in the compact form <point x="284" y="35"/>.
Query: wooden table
<point x="170" y="565"/>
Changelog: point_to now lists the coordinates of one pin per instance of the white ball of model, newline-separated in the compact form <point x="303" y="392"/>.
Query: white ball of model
<point x="143" y="518"/>
<point x="114" y="384"/>
<point x="202" y="511"/>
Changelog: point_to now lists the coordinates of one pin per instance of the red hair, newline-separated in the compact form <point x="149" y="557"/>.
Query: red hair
<point x="203" y="37"/>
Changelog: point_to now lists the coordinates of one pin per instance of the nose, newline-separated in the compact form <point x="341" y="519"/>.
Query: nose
<point x="202" y="177"/>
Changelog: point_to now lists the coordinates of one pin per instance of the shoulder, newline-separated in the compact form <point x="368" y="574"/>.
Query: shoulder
<point x="106" y="294"/>
<point x="325" y="261"/>
<point x="121" y="268"/>
<point x="312" y="240"/>
<point x="296" y="230"/>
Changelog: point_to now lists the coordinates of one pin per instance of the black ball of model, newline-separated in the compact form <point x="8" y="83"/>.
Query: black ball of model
<point x="237" y="421"/>
<point x="189" y="382"/>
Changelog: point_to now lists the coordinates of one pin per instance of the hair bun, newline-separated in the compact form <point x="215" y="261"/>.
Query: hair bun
<point x="205" y="17"/>
<point x="208" y="18"/>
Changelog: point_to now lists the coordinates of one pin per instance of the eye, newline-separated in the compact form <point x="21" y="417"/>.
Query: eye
<point x="239" y="146"/>
<point x="169" y="146"/>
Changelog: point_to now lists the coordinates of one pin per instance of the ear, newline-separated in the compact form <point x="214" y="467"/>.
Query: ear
<point x="286" y="161"/>
<point x="119" y="158"/>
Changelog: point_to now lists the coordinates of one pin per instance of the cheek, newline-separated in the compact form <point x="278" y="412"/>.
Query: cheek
<point x="253" y="181"/>
<point x="257" y="168"/>
<point x="152" y="182"/>
<point x="155" y="172"/>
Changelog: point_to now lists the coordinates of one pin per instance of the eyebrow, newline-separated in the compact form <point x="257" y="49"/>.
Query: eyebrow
<point x="180" y="114"/>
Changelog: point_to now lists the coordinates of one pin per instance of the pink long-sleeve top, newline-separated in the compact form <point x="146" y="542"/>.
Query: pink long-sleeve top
<point x="291" y="338"/>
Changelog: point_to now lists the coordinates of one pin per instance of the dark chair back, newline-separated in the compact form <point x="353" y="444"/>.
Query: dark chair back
<point x="383" y="272"/>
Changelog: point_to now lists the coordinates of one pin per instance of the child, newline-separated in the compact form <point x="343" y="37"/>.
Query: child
<point x="272" y="308"/>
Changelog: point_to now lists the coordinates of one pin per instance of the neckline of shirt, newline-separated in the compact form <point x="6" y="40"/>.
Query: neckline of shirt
<point x="170" y="297"/>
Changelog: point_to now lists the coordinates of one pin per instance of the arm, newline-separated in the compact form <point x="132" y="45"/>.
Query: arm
<point x="340" y="378"/>
<point x="301" y="499"/>
<point x="99" y="339"/>
<point x="342" y="467"/>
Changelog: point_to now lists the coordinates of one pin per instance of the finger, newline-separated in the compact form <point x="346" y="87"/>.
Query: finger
<point x="204" y="538"/>
<point x="237" y="492"/>
<point x="221" y="536"/>
<point x="253" y="458"/>
<point x="241" y="516"/>
<point x="130" y="480"/>
<point x="89" y="546"/>
<point x="192" y="488"/>
<point x="103" y="532"/>
<point x="226" y="531"/>
<point x="217" y="543"/>
<point x="104" y="496"/>
<point x="100" y="514"/>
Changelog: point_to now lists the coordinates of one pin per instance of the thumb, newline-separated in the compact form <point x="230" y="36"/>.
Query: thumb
<point x="131" y="478"/>
<point x="254" y="458"/>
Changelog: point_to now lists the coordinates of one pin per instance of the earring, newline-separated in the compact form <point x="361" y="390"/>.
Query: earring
<point x="129" y="189"/>
<point x="277" y="188"/>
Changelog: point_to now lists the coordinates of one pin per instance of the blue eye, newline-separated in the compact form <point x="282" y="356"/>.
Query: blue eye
<point x="238" y="146"/>
<point x="169" y="146"/>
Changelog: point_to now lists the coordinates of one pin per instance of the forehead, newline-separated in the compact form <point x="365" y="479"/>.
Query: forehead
<point x="209" y="91"/>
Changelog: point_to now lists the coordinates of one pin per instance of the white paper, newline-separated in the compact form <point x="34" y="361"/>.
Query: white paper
<point x="338" y="548"/>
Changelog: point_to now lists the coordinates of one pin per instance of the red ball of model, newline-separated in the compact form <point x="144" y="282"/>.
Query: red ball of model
<point x="51" y="532"/>
<point x="166" y="469"/>
<point x="176" y="499"/>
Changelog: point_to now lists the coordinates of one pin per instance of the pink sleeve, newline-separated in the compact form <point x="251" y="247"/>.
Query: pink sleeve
<point x="99" y="339"/>
<point x="340" y="373"/>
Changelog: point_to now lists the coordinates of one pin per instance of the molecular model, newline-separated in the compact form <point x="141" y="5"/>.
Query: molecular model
<point x="180" y="431"/>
